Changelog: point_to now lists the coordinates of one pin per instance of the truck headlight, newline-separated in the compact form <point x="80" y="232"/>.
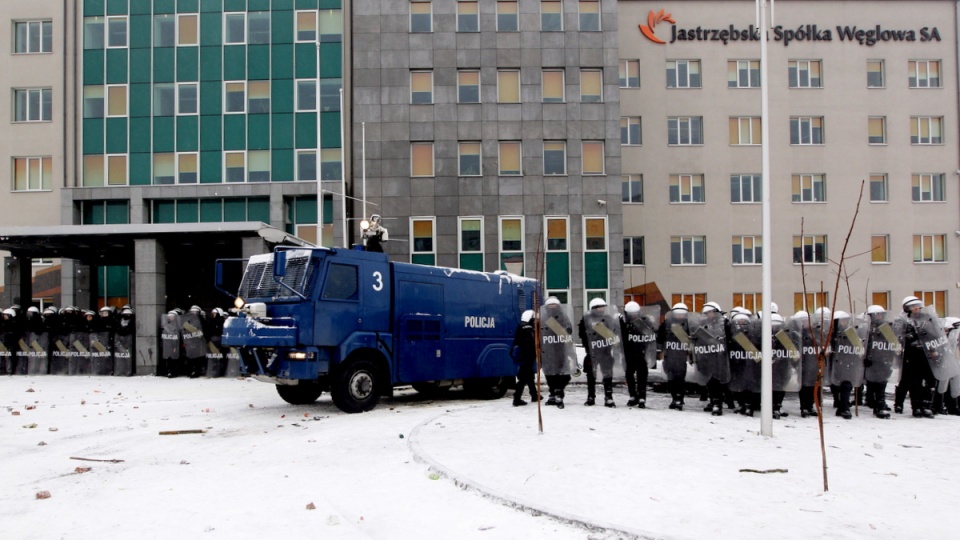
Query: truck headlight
<point x="299" y="355"/>
<point x="238" y="303"/>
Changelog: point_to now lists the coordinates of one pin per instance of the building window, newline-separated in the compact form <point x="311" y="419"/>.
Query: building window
<point x="331" y="164"/>
<point x="686" y="188"/>
<point x="751" y="301"/>
<point x="591" y="85"/>
<point x="683" y="74"/>
<point x="258" y="27"/>
<point x="471" y="243"/>
<point x="93" y="102"/>
<point x="31" y="37"/>
<point x="804" y="74"/>
<point x="878" y="188"/>
<point x="629" y="74"/>
<point x="511" y="245"/>
<point x="164" y="99"/>
<point x="809" y="188"/>
<point x="688" y="250"/>
<point x="630" y="133"/>
<point x="32" y="174"/>
<point x="685" y="130"/>
<point x="554" y="158"/>
<point x="508" y="86"/>
<point x="935" y="299"/>
<point x="330" y="94"/>
<point x="633" y="251"/>
<point x="811" y="301"/>
<point x="810" y="249"/>
<point x="258" y="97"/>
<point x="235" y="97"/>
<point x="116" y="32"/>
<point x="877" y="130"/>
<point x="508" y="18"/>
<point x="595" y="234"/>
<point x="745" y="188"/>
<point x="745" y="130"/>
<point x="187" y="168"/>
<point x="469" y="158"/>
<point x="164" y="30"/>
<point x="510" y="158"/>
<point x="880" y="248"/>
<point x="93" y="35"/>
<point x="592" y="157"/>
<point x="235" y="165"/>
<point x="924" y="73"/>
<point x="331" y="26"/>
<point x="875" y="74"/>
<point x="631" y="187"/>
<point x="926" y="130"/>
<point x="188" y="29"/>
<point x="929" y="248"/>
<point x="306" y="165"/>
<point x="552" y="85"/>
<point x="33" y="105"/>
<point x="747" y="250"/>
<point x="551" y="16"/>
<point x="116" y="100"/>
<point x="234" y="28"/>
<point x="589" y="16"/>
<point x="558" y="231"/>
<point x="422" y="237"/>
<point x="421" y="17"/>
<point x="165" y="169"/>
<point x="468" y="17"/>
<point x="306" y="96"/>
<point x="117" y="170"/>
<point x="806" y="130"/>
<point x="258" y="163"/>
<point x="881" y="298"/>
<point x="468" y="86"/>
<point x="421" y="159"/>
<point x="421" y="87"/>
<point x="743" y="74"/>
<point x="187" y="98"/>
<point x="306" y="30"/>
<point x="694" y="301"/>
<point x="928" y="188"/>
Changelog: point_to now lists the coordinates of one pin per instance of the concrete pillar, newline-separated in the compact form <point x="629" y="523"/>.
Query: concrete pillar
<point x="68" y="274"/>
<point x="17" y="275"/>
<point x="150" y="282"/>
<point x="85" y="277"/>
<point x="254" y="246"/>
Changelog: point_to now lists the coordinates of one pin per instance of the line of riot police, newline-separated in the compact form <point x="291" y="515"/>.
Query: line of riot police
<point x="68" y="341"/>
<point x="190" y="345"/>
<point x="721" y="353"/>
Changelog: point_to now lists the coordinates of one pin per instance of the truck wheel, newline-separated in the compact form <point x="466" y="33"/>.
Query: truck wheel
<point x="489" y="388"/>
<point x="304" y="393"/>
<point x="355" y="387"/>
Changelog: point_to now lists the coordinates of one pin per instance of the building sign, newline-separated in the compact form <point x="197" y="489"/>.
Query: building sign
<point x="803" y="32"/>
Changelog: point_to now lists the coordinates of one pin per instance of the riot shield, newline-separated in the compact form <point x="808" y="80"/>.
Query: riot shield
<point x="38" y="345"/>
<point x="60" y="353"/>
<point x="604" y="341"/>
<point x="123" y="346"/>
<point x="557" y="353"/>
<point x="101" y="353"/>
<point x="787" y="358"/>
<point x="7" y="352"/>
<point x="809" y="364"/>
<point x="745" y="354"/>
<point x="676" y="345"/>
<point x="884" y="358"/>
<point x="21" y="355"/>
<point x="79" y="346"/>
<point x="169" y="344"/>
<point x="936" y="346"/>
<point x="214" y="360"/>
<point x="232" y="368"/>
<point x="194" y="344"/>
<point x="640" y="336"/>
<point x="710" y="355"/>
<point x="849" y="350"/>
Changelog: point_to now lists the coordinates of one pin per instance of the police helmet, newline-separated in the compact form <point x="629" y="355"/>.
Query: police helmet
<point x="776" y="318"/>
<point x="711" y="306"/>
<point x="50" y="310"/>
<point x="33" y="309"/>
<point x="741" y="317"/>
<point x="801" y="315"/>
<point x="195" y="309"/>
<point x="840" y="315"/>
<point x="679" y="306"/>
<point x="632" y="307"/>
<point x="911" y="301"/>
<point x="774" y="308"/>
<point x="126" y="311"/>
<point x="10" y="312"/>
<point x="597" y="302"/>
<point x="875" y="309"/>
<point x="552" y="301"/>
<point x="527" y="315"/>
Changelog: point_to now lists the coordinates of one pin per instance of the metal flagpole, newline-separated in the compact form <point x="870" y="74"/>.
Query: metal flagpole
<point x="766" y="367"/>
<point x="343" y="176"/>
<point x="363" y="166"/>
<point x="317" y="160"/>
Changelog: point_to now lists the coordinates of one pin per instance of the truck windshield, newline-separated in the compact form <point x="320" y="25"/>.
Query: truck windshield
<point x="258" y="280"/>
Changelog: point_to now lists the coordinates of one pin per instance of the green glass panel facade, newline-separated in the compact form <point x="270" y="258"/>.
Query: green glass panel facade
<point x="164" y="6"/>
<point x="427" y="259"/>
<point x="211" y="210"/>
<point x="93" y="61"/>
<point x="140" y="34"/>
<point x="140" y="106"/>
<point x="187" y="133"/>
<point x="282" y="131"/>
<point x="281" y="96"/>
<point x="188" y="211"/>
<point x="305" y="60"/>
<point x="258" y="134"/>
<point x="163" y="134"/>
<point x="116" y="135"/>
<point x="306" y="136"/>
<point x="163" y="65"/>
<point x="330" y="130"/>
<point x="113" y="282"/>
<point x="93" y="8"/>
<point x="258" y="62"/>
<point x="139" y="135"/>
<point x="331" y="60"/>
<point x="234" y="210"/>
<point x="92" y="136"/>
<point x="258" y="209"/>
<point x="116" y="66"/>
<point x="234" y="132"/>
<point x="188" y="6"/>
<point x="281" y="62"/>
<point x="211" y="167"/>
<point x="234" y="5"/>
<point x="558" y="270"/>
<point x="306" y="4"/>
<point x="471" y="261"/>
<point x="140" y="169"/>
<point x="188" y="64"/>
<point x="163" y="212"/>
<point x="116" y="7"/>
<point x="211" y="30"/>
<point x="281" y="30"/>
<point x="211" y="129"/>
<point x="304" y="211"/>
<point x="258" y="5"/>
<point x="140" y="7"/>
<point x="211" y="98"/>
<point x="211" y="63"/>
<point x="234" y="62"/>
<point x="141" y="62"/>
<point x="211" y="5"/>
<point x="330" y="4"/>
<point x="595" y="274"/>
<point x="282" y="165"/>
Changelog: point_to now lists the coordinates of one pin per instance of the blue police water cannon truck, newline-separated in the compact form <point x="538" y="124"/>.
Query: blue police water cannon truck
<point x="357" y="325"/>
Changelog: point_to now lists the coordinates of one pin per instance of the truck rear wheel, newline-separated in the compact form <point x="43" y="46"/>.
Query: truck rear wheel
<point x="355" y="387"/>
<point x="489" y="388"/>
<point x="304" y="393"/>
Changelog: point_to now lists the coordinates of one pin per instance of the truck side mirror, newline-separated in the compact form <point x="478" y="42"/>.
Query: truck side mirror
<point x="279" y="263"/>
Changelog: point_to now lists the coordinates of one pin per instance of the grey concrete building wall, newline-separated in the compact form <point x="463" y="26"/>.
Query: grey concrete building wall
<point x="844" y="102"/>
<point x="384" y="54"/>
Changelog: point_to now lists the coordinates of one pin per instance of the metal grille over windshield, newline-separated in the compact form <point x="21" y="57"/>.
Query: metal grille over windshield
<point x="258" y="281"/>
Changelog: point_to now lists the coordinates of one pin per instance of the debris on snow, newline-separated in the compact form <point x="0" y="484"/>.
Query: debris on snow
<point x="311" y="506"/>
<point x="183" y="432"/>
<point x="81" y="470"/>
<point x="765" y="471"/>
<point x="43" y="495"/>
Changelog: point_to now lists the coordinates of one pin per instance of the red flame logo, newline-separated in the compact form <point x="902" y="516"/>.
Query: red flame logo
<point x="652" y="20"/>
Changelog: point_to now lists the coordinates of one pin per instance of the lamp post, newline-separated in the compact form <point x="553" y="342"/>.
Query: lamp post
<point x="766" y="366"/>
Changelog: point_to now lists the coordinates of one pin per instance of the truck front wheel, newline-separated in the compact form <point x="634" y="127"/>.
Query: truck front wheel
<point x="355" y="387"/>
<point x="304" y="393"/>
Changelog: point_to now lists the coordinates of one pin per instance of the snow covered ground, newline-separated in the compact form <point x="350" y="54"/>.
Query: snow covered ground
<point x="399" y="471"/>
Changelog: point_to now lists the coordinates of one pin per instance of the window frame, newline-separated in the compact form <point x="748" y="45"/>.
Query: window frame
<point x="583" y="155"/>
<point x="40" y="162"/>
<point x="515" y="15"/>
<point x="678" y="181"/>
<point x="519" y="252"/>
<point x="461" y="156"/>
<point x="795" y="70"/>
<point x="627" y="131"/>
<point x="913" y="74"/>
<point x="178" y="38"/>
<point x="226" y="86"/>
<point x="107" y="38"/>
<point x="414" y="99"/>
<point x="28" y="91"/>
<point x="756" y="250"/>
<point x="586" y="240"/>
<point x="807" y="183"/>
<point x="754" y="130"/>
<point x="591" y="98"/>
<point x="811" y="241"/>
<point x="500" y="170"/>
<point x="883" y="130"/>
<point x="815" y="134"/>
<point x="227" y="15"/>
<point x="693" y="125"/>
<point x="916" y="122"/>
<point x="107" y="100"/>
<point x="433" y="159"/>
<point x="502" y="73"/>
<point x="589" y="16"/>
<point x="564" y="150"/>
<point x="297" y="93"/>
<point x="427" y="16"/>
<point x="44" y="26"/>
<point x="874" y="247"/>
<point x="885" y="182"/>
<point x="461" y="19"/>
<point x="937" y="245"/>
<point x="413" y="238"/>
<point x="179" y="98"/>
<point x="737" y="68"/>
<point x="544" y="85"/>
<point x="460" y="244"/>
<point x="689" y="75"/>
<point x="693" y="240"/>
<point x="627" y="182"/>
<point x="298" y="166"/>
<point x="756" y="188"/>
<point x="461" y="87"/>
<point x="549" y="16"/>
<point x="296" y="25"/>
<point x="626" y="81"/>
<point x="630" y="251"/>
<point x="246" y="167"/>
<point x="917" y="187"/>
<point x="107" y="182"/>
<point x="882" y="72"/>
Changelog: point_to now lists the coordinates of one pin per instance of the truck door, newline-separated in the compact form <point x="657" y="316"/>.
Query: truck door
<point x="420" y="355"/>
<point x="338" y="309"/>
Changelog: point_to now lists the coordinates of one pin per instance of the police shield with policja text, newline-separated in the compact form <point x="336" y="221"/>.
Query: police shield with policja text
<point x="849" y="349"/>
<point x="745" y="353"/>
<point x="643" y="332"/>
<point x="709" y="336"/>
<point x="603" y="340"/>
<point x="786" y="355"/>
<point x="884" y="359"/>
<point x="936" y="346"/>
<point x="169" y="344"/>
<point x="557" y="350"/>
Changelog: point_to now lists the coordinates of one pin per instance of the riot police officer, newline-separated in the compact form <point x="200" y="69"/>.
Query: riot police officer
<point x="525" y="356"/>
<point x="639" y="335"/>
<point x="676" y="352"/>
<point x="917" y="378"/>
